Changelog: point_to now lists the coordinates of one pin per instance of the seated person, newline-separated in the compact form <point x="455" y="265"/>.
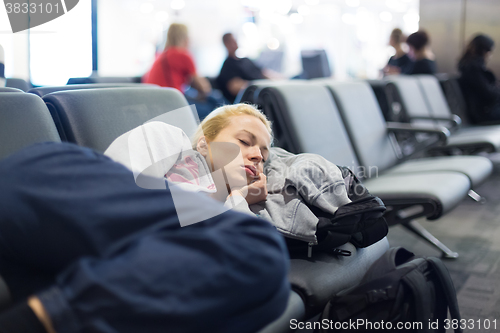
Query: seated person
<point x="236" y="72"/>
<point x="479" y="85"/>
<point x="226" y="161"/>
<point x="84" y="249"/>
<point x="175" y="68"/>
<point x="421" y="56"/>
<point x="400" y="61"/>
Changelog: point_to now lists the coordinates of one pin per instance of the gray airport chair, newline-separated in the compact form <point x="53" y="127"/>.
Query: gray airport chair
<point x="306" y="120"/>
<point x="368" y="132"/>
<point x="9" y="90"/>
<point x="42" y="91"/>
<point x="94" y="118"/>
<point x="24" y="120"/>
<point x="422" y="99"/>
<point x="18" y="84"/>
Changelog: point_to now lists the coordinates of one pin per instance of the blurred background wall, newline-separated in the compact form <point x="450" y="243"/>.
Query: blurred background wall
<point x="452" y="24"/>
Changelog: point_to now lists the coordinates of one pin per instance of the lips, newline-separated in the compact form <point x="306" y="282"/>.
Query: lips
<point x="251" y="170"/>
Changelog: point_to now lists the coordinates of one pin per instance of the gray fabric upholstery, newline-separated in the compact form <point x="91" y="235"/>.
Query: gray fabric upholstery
<point x="24" y="120"/>
<point x="422" y="96"/>
<point x="367" y="128"/>
<point x="365" y="124"/>
<point x="315" y="122"/>
<point x="447" y="188"/>
<point x="477" y="168"/>
<point x="42" y="91"/>
<point x="294" y="310"/>
<point x="7" y="89"/>
<point x="317" y="279"/>
<point x="18" y="84"/>
<point x="95" y="117"/>
<point x="409" y="95"/>
<point x="434" y="95"/>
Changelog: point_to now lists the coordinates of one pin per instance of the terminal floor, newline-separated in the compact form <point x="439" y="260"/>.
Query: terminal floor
<point x="472" y="230"/>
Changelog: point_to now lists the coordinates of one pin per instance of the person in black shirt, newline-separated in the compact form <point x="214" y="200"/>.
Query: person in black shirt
<point x="479" y="85"/>
<point x="236" y="72"/>
<point x="400" y="61"/>
<point x="421" y="56"/>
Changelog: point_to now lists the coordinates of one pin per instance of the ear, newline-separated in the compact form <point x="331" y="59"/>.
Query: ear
<point x="202" y="146"/>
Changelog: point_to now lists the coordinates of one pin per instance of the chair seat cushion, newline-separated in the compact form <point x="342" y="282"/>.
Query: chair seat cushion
<point x="446" y="189"/>
<point x="477" y="168"/>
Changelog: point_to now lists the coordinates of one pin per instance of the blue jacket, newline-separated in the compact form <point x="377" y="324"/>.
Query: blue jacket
<point x="105" y="255"/>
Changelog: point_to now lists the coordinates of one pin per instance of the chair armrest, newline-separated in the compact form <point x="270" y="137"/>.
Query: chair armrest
<point x="442" y="132"/>
<point x="454" y="120"/>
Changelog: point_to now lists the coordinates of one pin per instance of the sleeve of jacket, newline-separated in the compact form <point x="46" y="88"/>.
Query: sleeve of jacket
<point x="225" y="274"/>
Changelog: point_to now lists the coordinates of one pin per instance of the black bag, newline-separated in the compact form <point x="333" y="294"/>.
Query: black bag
<point x="360" y="222"/>
<point x="398" y="289"/>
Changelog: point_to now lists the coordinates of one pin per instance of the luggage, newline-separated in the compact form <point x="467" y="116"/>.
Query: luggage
<point x="360" y="222"/>
<point x="400" y="292"/>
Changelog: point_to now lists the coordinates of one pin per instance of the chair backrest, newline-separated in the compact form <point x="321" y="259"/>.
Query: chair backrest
<point x="307" y="121"/>
<point x="9" y="90"/>
<point x="454" y="96"/>
<point x="250" y="94"/>
<point x="378" y="87"/>
<point x="434" y="96"/>
<point x="18" y="84"/>
<point x="104" y="79"/>
<point x="94" y="118"/>
<point x="406" y="91"/>
<point x="364" y="123"/>
<point x="24" y="120"/>
<point x="42" y="91"/>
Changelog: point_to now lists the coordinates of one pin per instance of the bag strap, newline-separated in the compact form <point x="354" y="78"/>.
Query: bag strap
<point x="448" y="287"/>
<point x="422" y="297"/>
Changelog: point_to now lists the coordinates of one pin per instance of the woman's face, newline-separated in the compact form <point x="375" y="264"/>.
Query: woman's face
<point x="241" y="148"/>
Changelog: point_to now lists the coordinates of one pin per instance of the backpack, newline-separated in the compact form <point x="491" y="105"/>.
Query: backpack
<point x="360" y="222"/>
<point x="398" y="289"/>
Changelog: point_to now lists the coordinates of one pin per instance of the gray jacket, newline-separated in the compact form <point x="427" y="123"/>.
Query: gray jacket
<point x="296" y="182"/>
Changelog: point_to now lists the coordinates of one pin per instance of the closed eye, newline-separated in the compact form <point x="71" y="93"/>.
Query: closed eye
<point x="244" y="142"/>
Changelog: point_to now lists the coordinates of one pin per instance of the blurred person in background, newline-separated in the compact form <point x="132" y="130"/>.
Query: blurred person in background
<point x="399" y="62"/>
<point x="175" y="68"/>
<point x="420" y="54"/>
<point x="479" y="85"/>
<point x="236" y="72"/>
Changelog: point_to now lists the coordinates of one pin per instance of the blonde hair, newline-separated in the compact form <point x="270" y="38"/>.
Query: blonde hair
<point x="176" y="35"/>
<point x="218" y="119"/>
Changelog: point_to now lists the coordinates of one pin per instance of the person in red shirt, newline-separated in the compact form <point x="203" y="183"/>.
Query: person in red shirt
<point x="175" y="66"/>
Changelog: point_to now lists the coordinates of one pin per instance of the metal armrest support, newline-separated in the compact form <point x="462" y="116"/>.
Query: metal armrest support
<point x="438" y="135"/>
<point x="442" y="132"/>
<point x="455" y="121"/>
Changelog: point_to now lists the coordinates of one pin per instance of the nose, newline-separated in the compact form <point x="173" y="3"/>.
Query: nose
<point x="254" y="154"/>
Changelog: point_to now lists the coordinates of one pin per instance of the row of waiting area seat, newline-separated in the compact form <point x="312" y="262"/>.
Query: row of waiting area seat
<point x="341" y="121"/>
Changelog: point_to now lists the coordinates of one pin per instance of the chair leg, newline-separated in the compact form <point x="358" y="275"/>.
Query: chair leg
<point x="476" y="197"/>
<point x="420" y="231"/>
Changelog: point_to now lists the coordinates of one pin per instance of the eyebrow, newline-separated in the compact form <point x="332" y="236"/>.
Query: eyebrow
<point x="254" y="138"/>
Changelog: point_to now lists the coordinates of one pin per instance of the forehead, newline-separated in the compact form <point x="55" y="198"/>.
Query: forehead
<point x="251" y="124"/>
